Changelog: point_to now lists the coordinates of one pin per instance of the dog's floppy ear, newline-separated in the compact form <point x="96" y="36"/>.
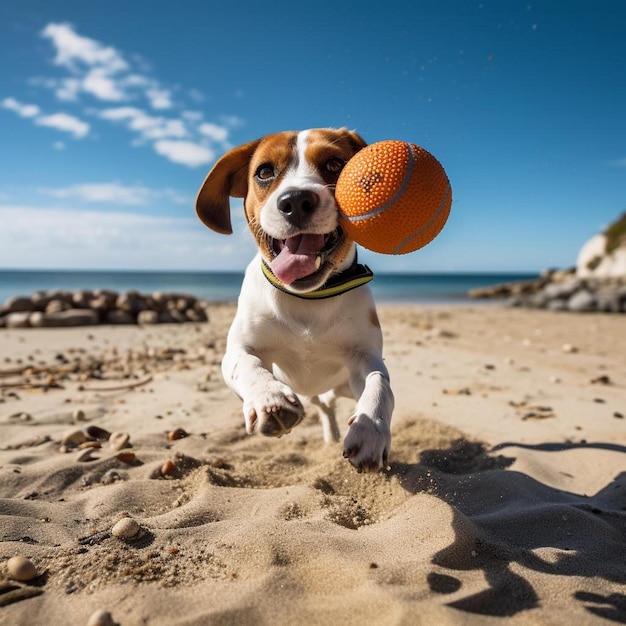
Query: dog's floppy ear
<point x="355" y="139"/>
<point x="228" y="177"/>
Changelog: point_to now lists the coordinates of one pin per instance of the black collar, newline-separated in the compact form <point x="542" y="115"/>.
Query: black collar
<point x="355" y="276"/>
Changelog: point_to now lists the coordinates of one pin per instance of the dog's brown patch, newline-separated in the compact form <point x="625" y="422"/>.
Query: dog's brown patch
<point x="374" y="321"/>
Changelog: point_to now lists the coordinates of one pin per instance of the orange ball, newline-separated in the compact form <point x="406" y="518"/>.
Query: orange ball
<point x="394" y="197"/>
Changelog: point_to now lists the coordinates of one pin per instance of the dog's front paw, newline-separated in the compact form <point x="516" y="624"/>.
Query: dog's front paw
<point x="273" y="412"/>
<point x="367" y="443"/>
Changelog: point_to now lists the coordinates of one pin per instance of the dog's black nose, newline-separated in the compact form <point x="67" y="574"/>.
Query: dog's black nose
<point x="297" y="204"/>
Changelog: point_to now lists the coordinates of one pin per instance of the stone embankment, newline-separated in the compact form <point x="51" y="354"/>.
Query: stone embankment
<point x="45" y="309"/>
<point x="561" y="290"/>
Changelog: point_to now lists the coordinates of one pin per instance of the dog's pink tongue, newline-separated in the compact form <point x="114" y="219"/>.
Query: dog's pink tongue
<point x="297" y="258"/>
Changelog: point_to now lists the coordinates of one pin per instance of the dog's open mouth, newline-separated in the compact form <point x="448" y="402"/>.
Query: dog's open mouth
<point x="302" y="255"/>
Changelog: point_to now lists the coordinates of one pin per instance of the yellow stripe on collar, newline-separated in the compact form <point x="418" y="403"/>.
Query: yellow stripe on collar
<point x="353" y="277"/>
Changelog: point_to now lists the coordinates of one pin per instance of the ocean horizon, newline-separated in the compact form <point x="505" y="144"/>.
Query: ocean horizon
<point x="424" y="288"/>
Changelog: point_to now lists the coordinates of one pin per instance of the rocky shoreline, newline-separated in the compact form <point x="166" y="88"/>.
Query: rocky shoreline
<point x="46" y="309"/>
<point x="561" y="290"/>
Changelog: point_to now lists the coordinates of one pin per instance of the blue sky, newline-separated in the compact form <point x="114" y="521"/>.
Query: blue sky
<point x="111" y="113"/>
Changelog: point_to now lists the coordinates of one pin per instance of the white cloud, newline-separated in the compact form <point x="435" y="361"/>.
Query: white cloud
<point x="213" y="131"/>
<point x="73" y="50"/>
<point x="103" y="73"/>
<point x="159" y="98"/>
<point x="100" y="84"/>
<point x="184" y="152"/>
<point x="67" y="89"/>
<point x="115" y="194"/>
<point x="148" y="126"/>
<point x="67" y="238"/>
<point x="23" y="110"/>
<point x="66" y="123"/>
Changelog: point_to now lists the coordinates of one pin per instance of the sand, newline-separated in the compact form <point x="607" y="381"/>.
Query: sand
<point x="505" y="499"/>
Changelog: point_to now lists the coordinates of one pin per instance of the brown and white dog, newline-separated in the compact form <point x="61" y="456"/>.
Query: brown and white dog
<point x="306" y="323"/>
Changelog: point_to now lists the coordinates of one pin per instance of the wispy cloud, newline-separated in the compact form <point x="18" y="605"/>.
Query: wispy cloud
<point x="185" y="152"/>
<point x="145" y="125"/>
<point x="115" y="194"/>
<point x="73" y="50"/>
<point x="64" y="122"/>
<point x="49" y="237"/>
<point x="104" y="75"/>
<point x="23" y="110"/>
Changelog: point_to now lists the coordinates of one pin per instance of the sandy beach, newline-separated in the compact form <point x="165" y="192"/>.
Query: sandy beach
<point x="505" y="499"/>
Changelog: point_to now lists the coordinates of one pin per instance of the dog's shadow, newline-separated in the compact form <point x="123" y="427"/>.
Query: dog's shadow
<point x="514" y="515"/>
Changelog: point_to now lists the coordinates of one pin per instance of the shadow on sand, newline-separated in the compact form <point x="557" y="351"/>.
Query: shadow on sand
<point x="516" y="518"/>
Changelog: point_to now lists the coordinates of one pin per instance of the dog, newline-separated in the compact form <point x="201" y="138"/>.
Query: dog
<point x="306" y="325"/>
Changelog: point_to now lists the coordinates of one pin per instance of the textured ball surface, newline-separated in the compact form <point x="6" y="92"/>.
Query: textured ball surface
<point x="394" y="197"/>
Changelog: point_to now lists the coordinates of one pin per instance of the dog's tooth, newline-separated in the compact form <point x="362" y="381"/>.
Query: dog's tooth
<point x="318" y="262"/>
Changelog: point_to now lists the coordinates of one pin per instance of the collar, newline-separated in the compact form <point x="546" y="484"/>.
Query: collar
<point x="355" y="276"/>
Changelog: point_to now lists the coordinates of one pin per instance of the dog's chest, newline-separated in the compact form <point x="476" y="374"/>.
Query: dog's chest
<point x="310" y="356"/>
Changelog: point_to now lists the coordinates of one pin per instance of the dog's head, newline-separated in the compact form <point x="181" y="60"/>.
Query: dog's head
<point x="287" y="181"/>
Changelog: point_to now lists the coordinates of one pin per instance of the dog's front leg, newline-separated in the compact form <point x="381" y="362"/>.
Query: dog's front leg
<point x="368" y="440"/>
<point x="269" y="406"/>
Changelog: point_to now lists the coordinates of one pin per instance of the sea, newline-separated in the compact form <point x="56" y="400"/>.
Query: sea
<point x="426" y="288"/>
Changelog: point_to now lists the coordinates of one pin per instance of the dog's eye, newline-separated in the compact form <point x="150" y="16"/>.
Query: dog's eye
<point x="334" y="165"/>
<point x="265" y="171"/>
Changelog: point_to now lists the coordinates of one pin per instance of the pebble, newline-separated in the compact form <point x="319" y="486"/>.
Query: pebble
<point x="75" y="437"/>
<point x="21" y="568"/>
<point x="119" y="440"/>
<point x="90" y="444"/>
<point x="168" y="468"/>
<point x="568" y="347"/>
<point x="126" y="457"/>
<point x="179" y="433"/>
<point x="111" y="476"/>
<point x="79" y="415"/>
<point x="126" y="528"/>
<point x="101" y="618"/>
<point x="95" y="432"/>
<point x="85" y="455"/>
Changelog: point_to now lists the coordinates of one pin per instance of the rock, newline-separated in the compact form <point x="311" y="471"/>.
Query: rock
<point x="97" y="433"/>
<point x="56" y="306"/>
<point x="85" y="455"/>
<point x="18" y="304"/>
<point x="608" y="302"/>
<point x="558" y="304"/>
<point x="21" y="568"/>
<point x="78" y="415"/>
<point x="117" y="316"/>
<point x="101" y="618"/>
<point x="169" y="469"/>
<point x="582" y="301"/>
<point x="126" y="457"/>
<point x="178" y="433"/>
<point x="74" y="437"/>
<point x="126" y="528"/>
<point x="131" y="302"/>
<point x="166" y="317"/>
<point x="147" y="317"/>
<point x="81" y="298"/>
<point x="67" y="318"/>
<point x="564" y="289"/>
<point x="119" y="440"/>
<point x="18" y="320"/>
<point x="195" y="316"/>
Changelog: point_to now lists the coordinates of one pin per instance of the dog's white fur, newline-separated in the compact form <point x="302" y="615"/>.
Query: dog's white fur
<point x="282" y="348"/>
